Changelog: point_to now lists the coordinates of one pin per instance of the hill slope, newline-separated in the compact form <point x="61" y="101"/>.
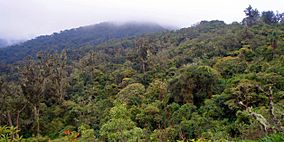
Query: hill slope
<point x="74" y="38"/>
<point x="210" y="82"/>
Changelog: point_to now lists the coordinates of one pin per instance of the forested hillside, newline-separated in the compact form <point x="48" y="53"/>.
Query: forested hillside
<point x="209" y="82"/>
<point x="75" y="38"/>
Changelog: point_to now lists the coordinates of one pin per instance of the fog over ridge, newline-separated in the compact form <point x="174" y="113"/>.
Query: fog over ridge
<point x="25" y="19"/>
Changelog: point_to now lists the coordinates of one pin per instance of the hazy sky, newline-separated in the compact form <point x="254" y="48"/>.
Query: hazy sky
<point x="30" y="18"/>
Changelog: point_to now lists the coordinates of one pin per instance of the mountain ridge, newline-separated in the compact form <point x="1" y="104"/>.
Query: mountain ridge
<point x="77" y="37"/>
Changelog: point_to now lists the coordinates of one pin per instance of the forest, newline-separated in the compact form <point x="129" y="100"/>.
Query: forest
<point x="209" y="82"/>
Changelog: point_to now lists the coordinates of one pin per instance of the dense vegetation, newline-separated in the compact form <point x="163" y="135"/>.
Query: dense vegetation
<point x="209" y="82"/>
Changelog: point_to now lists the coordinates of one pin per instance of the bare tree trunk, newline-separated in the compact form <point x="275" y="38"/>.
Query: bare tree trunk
<point x="17" y="120"/>
<point x="144" y="71"/>
<point x="18" y="117"/>
<point x="270" y="97"/>
<point x="10" y="119"/>
<point x="258" y="117"/>
<point x="10" y="122"/>
<point x="261" y="120"/>
<point x="36" y="113"/>
<point x="271" y="109"/>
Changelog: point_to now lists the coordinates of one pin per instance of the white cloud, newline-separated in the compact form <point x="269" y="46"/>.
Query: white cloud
<point x="29" y="18"/>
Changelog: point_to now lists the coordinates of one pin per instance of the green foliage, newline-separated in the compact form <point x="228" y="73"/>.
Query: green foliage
<point x="229" y="66"/>
<point x="244" y="91"/>
<point x="9" y="134"/>
<point x="131" y="94"/>
<point x="167" y="134"/>
<point x="273" y="138"/>
<point x="120" y="127"/>
<point x="157" y="90"/>
<point x="37" y="139"/>
<point x="87" y="134"/>
<point x="209" y="82"/>
<point x="195" y="84"/>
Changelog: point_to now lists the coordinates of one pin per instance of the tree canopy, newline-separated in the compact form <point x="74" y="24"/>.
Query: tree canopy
<point x="209" y="82"/>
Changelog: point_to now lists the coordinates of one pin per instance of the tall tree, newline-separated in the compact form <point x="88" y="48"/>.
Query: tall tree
<point x="12" y="103"/>
<point x="43" y="80"/>
<point x="252" y="16"/>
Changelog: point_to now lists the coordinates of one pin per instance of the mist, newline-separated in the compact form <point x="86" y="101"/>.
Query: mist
<point x="25" y="19"/>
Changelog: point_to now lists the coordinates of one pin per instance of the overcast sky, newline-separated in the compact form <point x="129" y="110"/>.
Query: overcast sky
<point x="24" y="19"/>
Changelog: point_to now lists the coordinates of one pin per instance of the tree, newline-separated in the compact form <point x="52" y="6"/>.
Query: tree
<point x="280" y="17"/>
<point x="162" y="135"/>
<point x="33" y="83"/>
<point x="146" y="47"/>
<point x="244" y="91"/>
<point x="43" y="80"/>
<point x="273" y="39"/>
<point x="247" y="95"/>
<point x="120" y="127"/>
<point x="194" y="84"/>
<point x="12" y="103"/>
<point x="252" y="16"/>
<point x="59" y="77"/>
<point x="229" y="66"/>
<point x="269" y="17"/>
<point x="143" y="47"/>
<point x="132" y="94"/>
<point x="157" y="90"/>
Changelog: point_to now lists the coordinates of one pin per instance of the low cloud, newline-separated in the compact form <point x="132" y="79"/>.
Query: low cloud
<point x="24" y="19"/>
